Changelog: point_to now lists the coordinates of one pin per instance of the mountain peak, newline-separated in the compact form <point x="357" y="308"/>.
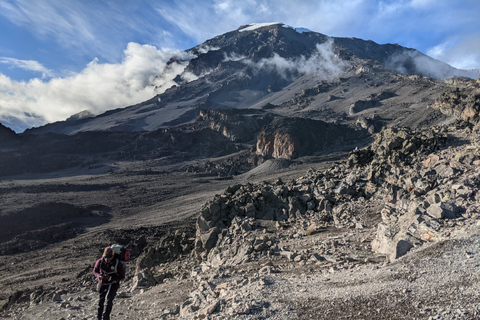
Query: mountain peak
<point x="270" y="64"/>
<point x="255" y="26"/>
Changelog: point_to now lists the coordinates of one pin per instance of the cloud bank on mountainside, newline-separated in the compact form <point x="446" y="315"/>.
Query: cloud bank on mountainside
<point x="97" y="88"/>
<point x="324" y="63"/>
<point x="403" y="62"/>
<point x="146" y="71"/>
<point x="143" y="72"/>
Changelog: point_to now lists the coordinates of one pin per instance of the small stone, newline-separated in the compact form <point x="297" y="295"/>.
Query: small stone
<point x="333" y="269"/>
<point x="57" y="297"/>
<point x="298" y="258"/>
<point x="209" y="309"/>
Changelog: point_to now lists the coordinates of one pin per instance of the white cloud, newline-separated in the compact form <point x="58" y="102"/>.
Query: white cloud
<point x="27" y="65"/>
<point x="324" y="63"/>
<point x="165" y="80"/>
<point x="206" y="48"/>
<point x="232" y="56"/>
<point x="462" y="52"/>
<point x="99" y="87"/>
<point x="426" y="66"/>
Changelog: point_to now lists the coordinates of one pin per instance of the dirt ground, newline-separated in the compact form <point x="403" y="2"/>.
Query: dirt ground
<point x="50" y="277"/>
<point x="84" y="210"/>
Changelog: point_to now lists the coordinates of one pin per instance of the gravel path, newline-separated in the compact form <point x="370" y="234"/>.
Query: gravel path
<point x="439" y="281"/>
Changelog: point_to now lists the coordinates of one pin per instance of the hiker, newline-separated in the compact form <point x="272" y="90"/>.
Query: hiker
<point x="110" y="271"/>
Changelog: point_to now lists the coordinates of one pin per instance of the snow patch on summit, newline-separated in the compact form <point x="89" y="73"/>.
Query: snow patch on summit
<point x="255" y="26"/>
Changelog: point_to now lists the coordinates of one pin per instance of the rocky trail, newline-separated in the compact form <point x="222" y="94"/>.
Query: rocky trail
<point x="438" y="282"/>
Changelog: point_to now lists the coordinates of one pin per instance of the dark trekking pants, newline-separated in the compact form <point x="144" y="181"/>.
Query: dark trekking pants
<point x="108" y="291"/>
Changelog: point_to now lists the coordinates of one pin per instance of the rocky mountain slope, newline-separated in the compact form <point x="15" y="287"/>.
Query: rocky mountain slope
<point x="297" y="176"/>
<point x="280" y="67"/>
<point x="252" y="78"/>
<point x="390" y="231"/>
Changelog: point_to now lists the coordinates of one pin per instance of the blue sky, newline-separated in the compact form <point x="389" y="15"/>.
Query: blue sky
<point x="60" y="57"/>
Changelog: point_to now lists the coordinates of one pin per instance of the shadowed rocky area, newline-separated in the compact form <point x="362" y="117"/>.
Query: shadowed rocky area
<point x="6" y="134"/>
<point x="32" y="228"/>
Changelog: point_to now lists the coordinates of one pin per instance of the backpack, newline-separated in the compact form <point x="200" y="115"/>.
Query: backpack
<point x="120" y="252"/>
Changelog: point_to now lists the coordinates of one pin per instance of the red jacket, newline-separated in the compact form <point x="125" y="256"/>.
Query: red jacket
<point x="111" y="272"/>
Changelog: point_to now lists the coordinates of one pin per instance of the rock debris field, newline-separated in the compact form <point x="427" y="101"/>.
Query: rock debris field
<point x="436" y="282"/>
<point x="390" y="232"/>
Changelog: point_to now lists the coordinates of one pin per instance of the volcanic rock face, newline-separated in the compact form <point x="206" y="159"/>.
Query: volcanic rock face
<point x="463" y="102"/>
<point x="236" y="125"/>
<point x="214" y="133"/>
<point x="294" y="137"/>
<point x="277" y="145"/>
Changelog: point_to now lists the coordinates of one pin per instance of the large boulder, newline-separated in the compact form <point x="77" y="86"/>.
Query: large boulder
<point x="393" y="238"/>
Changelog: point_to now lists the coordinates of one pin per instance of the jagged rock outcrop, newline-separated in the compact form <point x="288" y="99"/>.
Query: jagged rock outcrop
<point x="409" y="169"/>
<point x="462" y="103"/>
<point x="236" y="125"/>
<point x="372" y="101"/>
<point x="289" y="138"/>
<point x="396" y="147"/>
<point x="149" y="270"/>
<point x="169" y="248"/>
<point x="372" y="123"/>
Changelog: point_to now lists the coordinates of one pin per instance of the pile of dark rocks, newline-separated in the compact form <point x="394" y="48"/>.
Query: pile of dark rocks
<point x="406" y="189"/>
<point x="409" y="188"/>
<point x="421" y="178"/>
